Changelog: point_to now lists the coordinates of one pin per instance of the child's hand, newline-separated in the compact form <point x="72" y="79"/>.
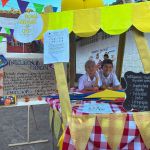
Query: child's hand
<point x="95" y="88"/>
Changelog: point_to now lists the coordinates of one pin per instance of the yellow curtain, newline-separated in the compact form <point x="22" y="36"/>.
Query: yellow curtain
<point x="86" y="22"/>
<point x="116" y="19"/>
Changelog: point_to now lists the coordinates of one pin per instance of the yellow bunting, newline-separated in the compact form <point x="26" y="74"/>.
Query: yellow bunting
<point x="61" y="20"/>
<point x="60" y="142"/>
<point x="80" y="4"/>
<point x="143" y="49"/>
<point x="108" y="94"/>
<point x="116" y="19"/>
<point x="112" y="127"/>
<point x="80" y="130"/>
<point x="142" y="120"/>
<point x="141" y="16"/>
<point x="57" y="124"/>
<point x="45" y="25"/>
<point x="63" y="91"/>
<point x="89" y="24"/>
<point x="50" y="116"/>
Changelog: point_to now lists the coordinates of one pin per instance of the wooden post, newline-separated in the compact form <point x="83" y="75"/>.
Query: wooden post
<point x="143" y="49"/>
<point x="121" y="48"/>
<point x="72" y="64"/>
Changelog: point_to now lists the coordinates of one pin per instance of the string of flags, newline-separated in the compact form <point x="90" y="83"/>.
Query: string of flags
<point x="24" y="4"/>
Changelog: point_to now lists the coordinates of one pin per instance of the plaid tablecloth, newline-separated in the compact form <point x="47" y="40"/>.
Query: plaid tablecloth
<point x="131" y="139"/>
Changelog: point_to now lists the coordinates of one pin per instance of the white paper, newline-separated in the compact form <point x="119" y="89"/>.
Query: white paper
<point x="96" y="108"/>
<point x="56" y="46"/>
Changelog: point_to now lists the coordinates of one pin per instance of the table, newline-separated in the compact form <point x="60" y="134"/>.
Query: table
<point x="131" y="138"/>
<point x="30" y="105"/>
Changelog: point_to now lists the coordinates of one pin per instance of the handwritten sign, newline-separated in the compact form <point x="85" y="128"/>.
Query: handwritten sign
<point x="138" y="91"/>
<point x="56" y="46"/>
<point x="28" y="77"/>
<point x="95" y="108"/>
<point x="28" y="27"/>
<point x="8" y="22"/>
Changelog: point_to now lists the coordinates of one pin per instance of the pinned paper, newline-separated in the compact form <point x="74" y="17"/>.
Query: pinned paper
<point x="4" y="2"/>
<point x="56" y="46"/>
<point x="108" y="94"/>
<point x="28" y="27"/>
<point x="38" y="7"/>
<point x="22" y="5"/>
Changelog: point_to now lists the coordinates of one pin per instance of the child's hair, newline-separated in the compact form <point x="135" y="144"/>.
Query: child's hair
<point x="89" y="63"/>
<point x="107" y="61"/>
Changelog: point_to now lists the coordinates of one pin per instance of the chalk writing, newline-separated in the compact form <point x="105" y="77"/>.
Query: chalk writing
<point x="138" y="91"/>
<point x="28" y="77"/>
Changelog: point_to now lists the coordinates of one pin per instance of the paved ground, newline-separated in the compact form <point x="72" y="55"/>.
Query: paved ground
<point x="13" y="127"/>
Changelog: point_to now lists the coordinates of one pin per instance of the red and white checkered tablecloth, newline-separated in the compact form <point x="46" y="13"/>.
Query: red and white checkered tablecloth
<point x="131" y="139"/>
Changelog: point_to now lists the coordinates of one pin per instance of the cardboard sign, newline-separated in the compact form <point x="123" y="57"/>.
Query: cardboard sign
<point x="28" y="77"/>
<point x="56" y="46"/>
<point x="138" y="91"/>
<point x="28" y="27"/>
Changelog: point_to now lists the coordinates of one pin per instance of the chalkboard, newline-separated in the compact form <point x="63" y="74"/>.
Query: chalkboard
<point x="137" y="91"/>
<point x="28" y="77"/>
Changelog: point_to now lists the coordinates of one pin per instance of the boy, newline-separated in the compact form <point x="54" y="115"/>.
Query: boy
<point x="90" y="81"/>
<point x="108" y="77"/>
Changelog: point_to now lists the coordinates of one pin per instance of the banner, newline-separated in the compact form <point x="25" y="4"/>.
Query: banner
<point x="28" y="77"/>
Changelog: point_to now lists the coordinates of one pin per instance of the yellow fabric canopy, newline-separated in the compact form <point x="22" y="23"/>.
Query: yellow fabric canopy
<point x="113" y="20"/>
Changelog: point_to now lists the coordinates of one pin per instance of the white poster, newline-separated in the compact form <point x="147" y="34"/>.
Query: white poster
<point x="28" y="27"/>
<point x="56" y="46"/>
<point x="28" y="77"/>
<point x="96" y="48"/>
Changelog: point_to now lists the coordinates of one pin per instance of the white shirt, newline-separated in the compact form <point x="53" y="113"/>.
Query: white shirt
<point x="86" y="82"/>
<point x="110" y="81"/>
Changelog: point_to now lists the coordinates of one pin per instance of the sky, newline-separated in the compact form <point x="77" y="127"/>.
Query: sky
<point x="55" y="3"/>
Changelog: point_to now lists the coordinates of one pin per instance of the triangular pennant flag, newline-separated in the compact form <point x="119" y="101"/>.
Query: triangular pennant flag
<point x="38" y="7"/>
<point x="22" y="5"/>
<point x="80" y="130"/>
<point x="1" y="39"/>
<point x="142" y="121"/>
<point x="7" y="31"/>
<point x="112" y="126"/>
<point x="4" y="2"/>
<point x="55" y="9"/>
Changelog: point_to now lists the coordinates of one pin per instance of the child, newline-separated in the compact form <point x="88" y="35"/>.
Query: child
<point x="108" y="77"/>
<point x="90" y="81"/>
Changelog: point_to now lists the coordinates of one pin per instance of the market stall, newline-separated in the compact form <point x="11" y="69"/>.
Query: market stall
<point x="118" y="130"/>
<point x="113" y="128"/>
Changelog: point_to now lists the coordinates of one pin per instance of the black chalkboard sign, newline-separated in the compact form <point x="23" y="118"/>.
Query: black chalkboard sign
<point x="137" y="91"/>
